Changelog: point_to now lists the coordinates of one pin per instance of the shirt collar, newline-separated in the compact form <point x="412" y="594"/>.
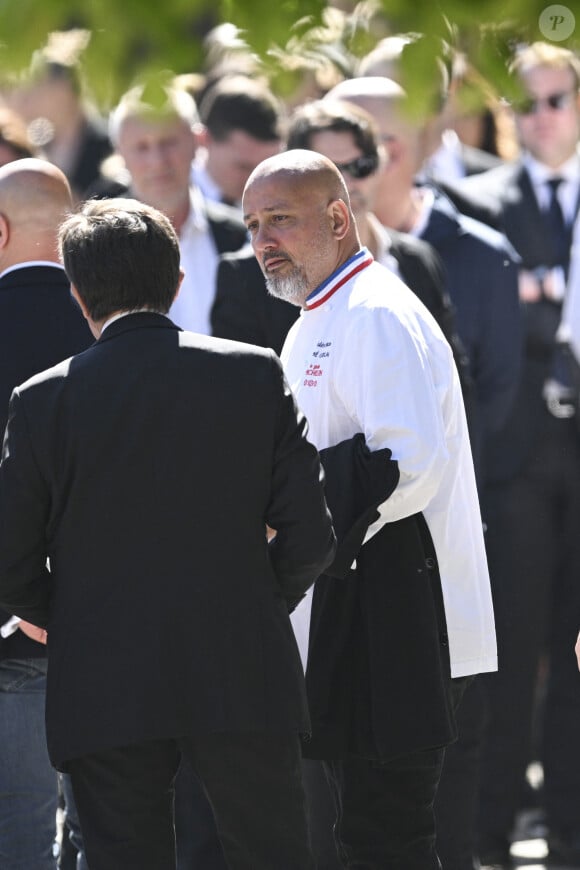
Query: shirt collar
<point x="126" y="314"/>
<point x="196" y="221"/>
<point x="203" y="179"/>
<point x="540" y="173"/>
<point x="338" y="278"/>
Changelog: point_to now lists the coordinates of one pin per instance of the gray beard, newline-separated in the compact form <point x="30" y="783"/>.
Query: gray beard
<point x="291" y="288"/>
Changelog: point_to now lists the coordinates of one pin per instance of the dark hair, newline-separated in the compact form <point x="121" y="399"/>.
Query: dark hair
<point x="241" y="103"/>
<point x="336" y="116"/>
<point x="121" y="255"/>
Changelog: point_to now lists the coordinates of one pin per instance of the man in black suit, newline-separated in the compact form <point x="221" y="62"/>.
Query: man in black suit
<point x="533" y="507"/>
<point x="154" y="131"/>
<point x="146" y="470"/>
<point x="40" y="324"/>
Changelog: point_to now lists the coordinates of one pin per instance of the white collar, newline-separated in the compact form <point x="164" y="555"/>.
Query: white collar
<point x="206" y="183"/>
<point x="540" y="173"/>
<point x="196" y="220"/>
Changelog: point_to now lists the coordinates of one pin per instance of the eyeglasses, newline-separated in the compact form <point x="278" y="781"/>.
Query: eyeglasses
<point x="360" y="167"/>
<point x="554" y="102"/>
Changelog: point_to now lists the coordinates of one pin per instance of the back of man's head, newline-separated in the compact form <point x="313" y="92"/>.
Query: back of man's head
<point x="34" y="198"/>
<point x="120" y="255"/>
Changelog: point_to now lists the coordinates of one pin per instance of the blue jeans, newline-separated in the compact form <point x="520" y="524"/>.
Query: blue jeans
<point x="28" y="782"/>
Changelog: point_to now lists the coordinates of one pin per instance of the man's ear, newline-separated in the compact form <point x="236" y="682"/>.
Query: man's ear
<point x="4" y="231"/>
<point x="179" y="283"/>
<point x="339" y="218"/>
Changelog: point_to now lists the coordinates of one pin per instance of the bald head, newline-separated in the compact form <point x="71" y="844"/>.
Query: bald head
<point x="297" y="210"/>
<point x="401" y="133"/>
<point x="300" y="169"/>
<point x="35" y="197"/>
<point x="381" y="97"/>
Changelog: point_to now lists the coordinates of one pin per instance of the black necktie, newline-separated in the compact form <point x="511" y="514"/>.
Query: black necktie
<point x="560" y="240"/>
<point x="559" y="234"/>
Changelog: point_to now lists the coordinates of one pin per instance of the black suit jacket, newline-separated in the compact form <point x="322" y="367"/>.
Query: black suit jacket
<point x="482" y="275"/>
<point x="507" y="192"/>
<point x="389" y="608"/>
<point x="146" y="468"/>
<point x="40" y="325"/>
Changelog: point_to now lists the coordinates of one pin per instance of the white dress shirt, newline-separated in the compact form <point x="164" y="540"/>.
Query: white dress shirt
<point x="366" y="356"/>
<point x="201" y="178"/>
<point x="568" y="190"/>
<point x="199" y="258"/>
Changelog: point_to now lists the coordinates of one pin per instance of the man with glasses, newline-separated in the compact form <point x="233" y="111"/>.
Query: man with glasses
<point x="533" y="500"/>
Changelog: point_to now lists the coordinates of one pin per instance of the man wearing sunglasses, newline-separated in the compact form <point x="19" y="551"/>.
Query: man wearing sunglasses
<point x="534" y="461"/>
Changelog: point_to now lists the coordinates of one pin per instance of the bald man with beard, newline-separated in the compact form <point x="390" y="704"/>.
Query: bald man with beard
<point x="40" y="325"/>
<point x="375" y="378"/>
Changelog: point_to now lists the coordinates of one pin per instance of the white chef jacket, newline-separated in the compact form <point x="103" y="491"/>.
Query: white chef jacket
<point x="366" y="356"/>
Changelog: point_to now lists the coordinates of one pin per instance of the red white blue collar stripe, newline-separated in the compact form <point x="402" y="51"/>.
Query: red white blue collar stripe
<point x="338" y="279"/>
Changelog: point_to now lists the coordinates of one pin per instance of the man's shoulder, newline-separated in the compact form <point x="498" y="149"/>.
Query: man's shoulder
<point x="377" y="287"/>
<point x="487" y="239"/>
<point x="473" y="236"/>
<point x="36" y="304"/>
<point x="45" y="379"/>
<point x="34" y="274"/>
<point x="243" y="258"/>
<point x="225" y="348"/>
<point x="406" y="243"/>
<point x="222" y="214"/>
<point x="494" y="184"/>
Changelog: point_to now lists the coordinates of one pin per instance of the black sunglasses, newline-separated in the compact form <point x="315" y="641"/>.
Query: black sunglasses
<point x="360" y="167"/>
<point x="555" y="102"/>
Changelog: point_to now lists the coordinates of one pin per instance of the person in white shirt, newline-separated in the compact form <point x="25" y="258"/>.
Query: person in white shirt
<point x="375" y="378"/>
<point x="153" y="131"/>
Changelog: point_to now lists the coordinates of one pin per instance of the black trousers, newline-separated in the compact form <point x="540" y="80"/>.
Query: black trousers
<point x="534" y="557"/>
<point x="196" y="836"/>
<point x="384" y="812"/>
<point x="124" y="800"/>
<point x="456" y="801"/>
